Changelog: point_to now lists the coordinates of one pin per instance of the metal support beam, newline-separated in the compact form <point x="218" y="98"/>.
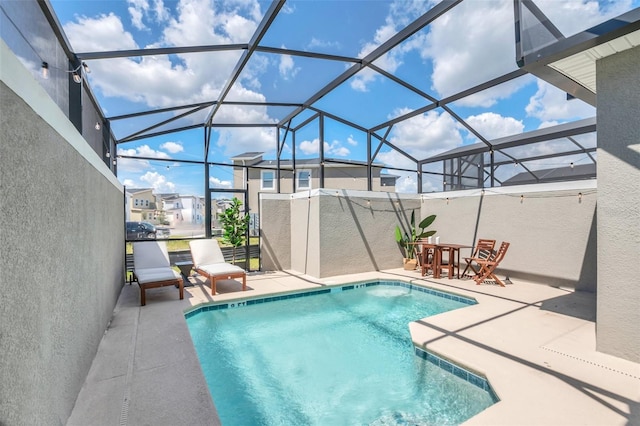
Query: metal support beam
<point x="321" y="148"/>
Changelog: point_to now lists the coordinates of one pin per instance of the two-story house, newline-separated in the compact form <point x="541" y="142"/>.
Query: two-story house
<point x="183" y="210"/>
<point x="261" y="176"/>
<point x="141" y="205"/>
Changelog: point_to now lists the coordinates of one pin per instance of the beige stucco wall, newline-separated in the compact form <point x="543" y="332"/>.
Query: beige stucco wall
<point x="62" y="239"/>
<point x="357" y="230"/>
<point x="275" y="232"/>
<point x="618" y="315"/>
<point x="552" y="230"/>
<point x="337" y="232"/>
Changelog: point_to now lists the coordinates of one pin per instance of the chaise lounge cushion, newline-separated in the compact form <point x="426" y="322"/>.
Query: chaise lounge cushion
<point x="152" y="268"/>
<point x="209" y="261"/>
<point x="156" y="274"/>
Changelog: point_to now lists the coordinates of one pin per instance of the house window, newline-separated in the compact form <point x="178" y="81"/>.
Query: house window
<point x="147" y="203"/>
<point x="136" y="202"/>
<point x="267" y="181"/>
<point x="304" y="179"/>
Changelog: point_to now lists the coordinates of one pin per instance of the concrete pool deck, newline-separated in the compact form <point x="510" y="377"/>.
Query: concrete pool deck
<point x="534" y="343"/>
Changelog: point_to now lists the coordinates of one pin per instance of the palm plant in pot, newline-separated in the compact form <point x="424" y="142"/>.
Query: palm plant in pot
<point x="406" y="240"/>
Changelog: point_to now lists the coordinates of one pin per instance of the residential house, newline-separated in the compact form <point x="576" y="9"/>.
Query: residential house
<point x="183" y="210"/>
<point x="141" y="205"/>
<point x="261" y="176"/>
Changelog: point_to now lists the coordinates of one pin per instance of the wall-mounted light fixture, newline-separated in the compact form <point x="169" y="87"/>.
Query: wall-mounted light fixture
<point x="97" y="126"/>
<point x="44" y="70"/>
<point x="77" y="73"/>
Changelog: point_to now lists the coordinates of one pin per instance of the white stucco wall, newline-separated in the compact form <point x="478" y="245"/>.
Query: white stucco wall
<point x="62" y="260"/>
<point x="551" y="230"/>
<point x="618" y="82"/>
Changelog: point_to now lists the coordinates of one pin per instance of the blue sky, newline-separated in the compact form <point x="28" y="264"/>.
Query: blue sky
<point x="473" y="43"/>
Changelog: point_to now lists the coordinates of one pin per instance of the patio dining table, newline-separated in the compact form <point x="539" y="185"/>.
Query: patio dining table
<point x="453" y="251"/>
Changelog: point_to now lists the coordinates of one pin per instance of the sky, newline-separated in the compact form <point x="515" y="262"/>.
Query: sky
<point x="470" y="44"/>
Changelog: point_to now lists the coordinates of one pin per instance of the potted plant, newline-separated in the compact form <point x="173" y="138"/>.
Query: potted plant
<point x="235" y="225"/>
<point x="407" y="241"/>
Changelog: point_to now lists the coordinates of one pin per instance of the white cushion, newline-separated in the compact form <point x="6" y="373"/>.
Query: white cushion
<point x="150" y="254"/>
<point x="205" y="252"/>
<point x="221" y="269"/>
<point x="150" y="275"/>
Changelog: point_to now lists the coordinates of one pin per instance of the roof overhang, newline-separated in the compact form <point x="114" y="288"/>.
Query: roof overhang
<point x="570" y="63"/>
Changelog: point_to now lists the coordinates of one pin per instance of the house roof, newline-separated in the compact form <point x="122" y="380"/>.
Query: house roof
<point x="577" y="172"/>
<point x="315" y="162"/>
<point x="137" y="190"/>
<point x="247" y="156"/>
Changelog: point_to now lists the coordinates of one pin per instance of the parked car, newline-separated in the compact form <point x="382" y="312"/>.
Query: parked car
<point x="162" y="232"/>
<point x="140" y="231"/>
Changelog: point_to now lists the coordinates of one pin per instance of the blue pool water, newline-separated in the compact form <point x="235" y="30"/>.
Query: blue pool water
<point x="339" y="358"/>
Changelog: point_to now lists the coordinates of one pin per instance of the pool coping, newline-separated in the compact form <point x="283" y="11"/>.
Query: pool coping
<point x="247" y="301"/>
<point x="533" y="342"/>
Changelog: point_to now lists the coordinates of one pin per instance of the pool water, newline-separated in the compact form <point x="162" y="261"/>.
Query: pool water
<point x="341" y="358"/>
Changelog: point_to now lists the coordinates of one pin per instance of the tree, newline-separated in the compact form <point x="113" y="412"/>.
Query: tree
<point x="235" y="225"/>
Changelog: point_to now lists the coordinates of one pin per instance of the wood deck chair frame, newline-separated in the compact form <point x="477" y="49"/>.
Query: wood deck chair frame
<point x="152" y="268"/>
<point x="209" y="262"/>
<point x="484" y="250"/>
<point x="488" y="266"/>
<point x="427" y="258"/>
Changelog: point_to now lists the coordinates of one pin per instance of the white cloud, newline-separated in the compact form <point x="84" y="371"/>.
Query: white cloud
<point x="172" y="147"/>
<point x="145" y="79"/>
<point x="465" y="53"/>
<point x="407" y="183"/>
<point x="351" y="141"/>
<point x="162" y="13"/>
<point x="426" y="134"/>
<point x="214" y="182"/>
<point x="235" y="141"/>
<point x="492" y="126"/>
<point x="141" y="9"/>
<point x="128" y="183"/>
<point x="158" y="182"/>
<point x="104" y="32"/>
<point x="287" y="67"/>
<point x="136" y="18"/>
<point x="400" y="14"/>
<point x="572" y="16"/>
<point x="134" y="165"/>
<point x="334" y="148"/>
<point x="318" y="43"/>
<point x="551" y="104"/>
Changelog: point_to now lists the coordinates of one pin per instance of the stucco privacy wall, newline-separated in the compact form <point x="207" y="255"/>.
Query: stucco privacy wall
<point x="552" y="229"/>
<point x="336" y="232"/>
<point x="61" y="233"/>
<point x="618" y="82"/>
<point x="275" y="232"/>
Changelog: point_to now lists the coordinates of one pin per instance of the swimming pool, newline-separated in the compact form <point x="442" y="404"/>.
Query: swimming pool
<point x="343" y="356"/>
